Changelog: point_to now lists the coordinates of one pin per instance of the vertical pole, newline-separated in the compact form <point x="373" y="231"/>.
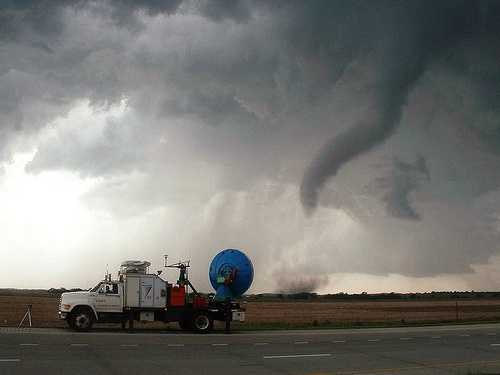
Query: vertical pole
<point x="29" y="313"/>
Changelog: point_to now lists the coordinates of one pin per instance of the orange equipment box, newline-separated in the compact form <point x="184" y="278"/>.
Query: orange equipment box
<point x="177" y="296"/>
<point x="200" y="302"/>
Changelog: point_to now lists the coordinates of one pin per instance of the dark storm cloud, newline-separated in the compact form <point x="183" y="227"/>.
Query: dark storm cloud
<point x="43" y="69"/>
<point x="239" y="10"/>
<point x="44" y="16"/>
<point x="41" y="17"/>
<point x="223" y="105"/>
<point x="210" y="108"/>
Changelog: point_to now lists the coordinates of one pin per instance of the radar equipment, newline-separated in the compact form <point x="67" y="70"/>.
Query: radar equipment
<point x="183" y="280"/>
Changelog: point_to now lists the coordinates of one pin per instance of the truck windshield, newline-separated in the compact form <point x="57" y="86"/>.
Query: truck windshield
<point x="96" y="288"/>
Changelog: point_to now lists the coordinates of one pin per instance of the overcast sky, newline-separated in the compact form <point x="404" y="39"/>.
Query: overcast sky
<point x="343" y="145"/>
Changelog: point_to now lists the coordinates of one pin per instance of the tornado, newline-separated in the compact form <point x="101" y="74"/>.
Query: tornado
<point x="400" y="53"/>
<point x="357" y="140"/>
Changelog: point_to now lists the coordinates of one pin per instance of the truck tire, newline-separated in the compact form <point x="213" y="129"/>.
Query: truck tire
<point x="82" y="319"/>
<point x="202" y="322"/>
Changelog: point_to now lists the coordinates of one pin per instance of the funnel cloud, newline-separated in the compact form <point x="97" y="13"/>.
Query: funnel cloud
<point x="401" y="57"/>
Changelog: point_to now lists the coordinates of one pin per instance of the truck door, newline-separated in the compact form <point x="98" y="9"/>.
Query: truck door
<point x="147" y="292"/>
<point x="109" y="298"/>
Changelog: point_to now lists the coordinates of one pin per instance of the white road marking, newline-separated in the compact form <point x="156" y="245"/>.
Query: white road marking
<point x="28" y="344"/>
<point x="435" y="337"/>
<point x="261" y="343"/>
<point x="406" y="338"/>
<point x="373" y="340"/>
<point x="301" y="342"/>
<point x="494" y="344"/>
<point x="10" y="360"/>
<point x="175" y="345"/>
<point x="129" y="345"/>
<point x="464" y="335"/>
<point x="220" y="344"/>
<point x="296" y="356"/>
<point x="338" y="341"/>
<point x="491" y="334"/>
<point x="78" y="344"/>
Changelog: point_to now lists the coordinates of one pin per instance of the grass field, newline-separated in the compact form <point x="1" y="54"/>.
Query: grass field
<point x="44" y="310"/>
<point x="370" y="313"/>
<point x="292" y="314"/>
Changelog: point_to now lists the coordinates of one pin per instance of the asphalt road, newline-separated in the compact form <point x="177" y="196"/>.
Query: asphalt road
<point x="473" y="349"/>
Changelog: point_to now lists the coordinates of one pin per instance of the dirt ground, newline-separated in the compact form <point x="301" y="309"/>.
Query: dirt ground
<point x="44" y="310"/>
<point x="372" y="312"/>
<point x="12" y="309"/>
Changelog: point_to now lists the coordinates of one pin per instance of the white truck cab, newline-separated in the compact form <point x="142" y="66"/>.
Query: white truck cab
<point x="80" y="309"/>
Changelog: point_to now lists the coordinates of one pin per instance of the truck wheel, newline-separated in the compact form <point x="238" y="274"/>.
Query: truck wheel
<point x="82" y="320"/>
<point x="202" y="322"/>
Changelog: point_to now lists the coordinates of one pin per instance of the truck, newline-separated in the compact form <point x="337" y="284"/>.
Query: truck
<point x="137" y="295"/>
